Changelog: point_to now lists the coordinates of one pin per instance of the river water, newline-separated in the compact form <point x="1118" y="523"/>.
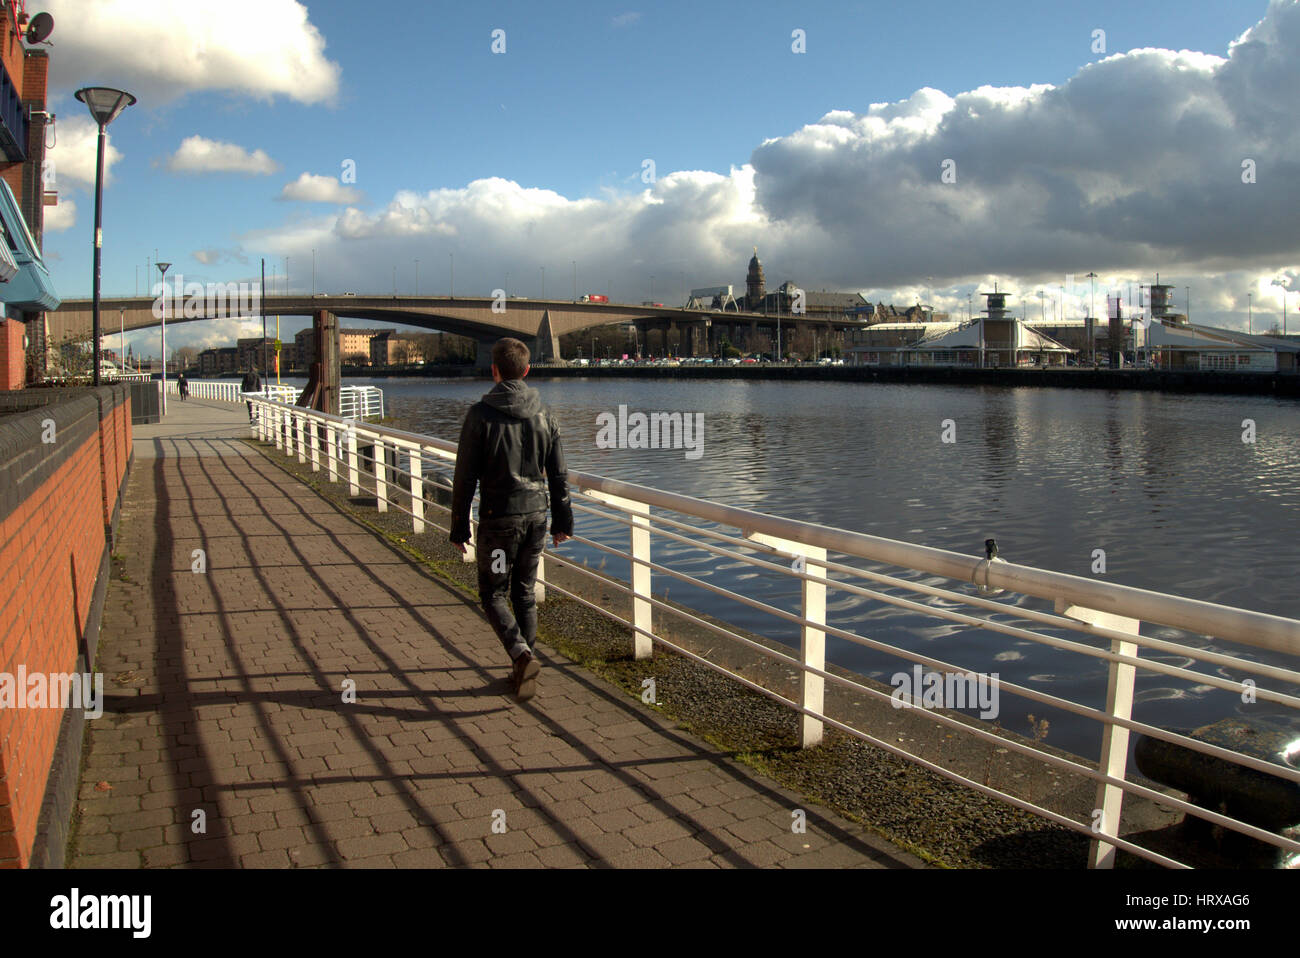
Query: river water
<point x="1163" y="483"/>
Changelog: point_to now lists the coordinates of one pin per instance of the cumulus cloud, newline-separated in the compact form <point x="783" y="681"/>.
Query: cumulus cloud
<point x="313" y="188"/>
<point x="1135" y="164"/>
<point x="74" y="151"/>
<point x="61" y="217"/>
<point x="261" y="48"/>
<point x="625" y="19"/>
<point x="197" y="154"/>
<point x="1137" y="161"/>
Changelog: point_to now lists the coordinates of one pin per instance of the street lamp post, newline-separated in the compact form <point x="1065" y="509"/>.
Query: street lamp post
<point x="1092" y="317"/>
<point x="1250" y="314"/>
<point x="104" y="104"/>
<point x="417" y="277"/>
<point x="163" y="268"/>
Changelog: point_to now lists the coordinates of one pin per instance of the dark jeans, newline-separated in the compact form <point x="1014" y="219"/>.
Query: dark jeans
<point x="508" y="551"/>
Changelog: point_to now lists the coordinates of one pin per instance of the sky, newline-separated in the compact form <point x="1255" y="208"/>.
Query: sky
<point x="916" y="152"/>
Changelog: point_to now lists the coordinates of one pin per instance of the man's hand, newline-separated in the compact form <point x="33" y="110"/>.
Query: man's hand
<point x="560" y="537"/>
<point x="460" y="546"/>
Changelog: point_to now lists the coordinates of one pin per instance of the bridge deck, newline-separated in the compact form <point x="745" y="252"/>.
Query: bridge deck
<point x="224" y="695"/>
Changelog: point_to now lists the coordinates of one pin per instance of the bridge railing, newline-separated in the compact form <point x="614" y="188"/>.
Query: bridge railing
<point x="1099" y="621"/>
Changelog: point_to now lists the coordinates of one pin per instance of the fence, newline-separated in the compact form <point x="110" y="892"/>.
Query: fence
<point x="402" y="466"/>
<point x="355" y="402"/>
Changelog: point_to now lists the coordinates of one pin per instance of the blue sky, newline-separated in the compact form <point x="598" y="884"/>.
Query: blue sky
<point x="556" y="130"/>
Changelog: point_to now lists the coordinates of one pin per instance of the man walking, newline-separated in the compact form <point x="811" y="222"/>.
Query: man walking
<point x="252" y="384"/>
<point x="510" y="449"/>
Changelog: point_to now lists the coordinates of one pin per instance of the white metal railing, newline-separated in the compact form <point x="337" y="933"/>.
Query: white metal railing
<point x="355" y="402"/>
<point x="791" y="548"/>
<point x="361" y="402"/>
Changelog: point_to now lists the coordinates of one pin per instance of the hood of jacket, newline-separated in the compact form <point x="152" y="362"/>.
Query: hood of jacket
<point x="514" y="398"/>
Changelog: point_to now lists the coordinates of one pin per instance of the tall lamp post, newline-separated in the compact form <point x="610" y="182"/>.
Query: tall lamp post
<point x="163" y="268"/>
<point x="105" y="104"/>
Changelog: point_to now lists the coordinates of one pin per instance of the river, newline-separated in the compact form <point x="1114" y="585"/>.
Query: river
<point x="1163" y="483"/>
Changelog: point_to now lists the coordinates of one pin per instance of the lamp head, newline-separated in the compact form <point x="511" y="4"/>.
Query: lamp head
<point x="105" y="103"/>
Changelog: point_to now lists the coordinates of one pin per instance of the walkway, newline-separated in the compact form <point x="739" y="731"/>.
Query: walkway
<point x="229" y="737"/>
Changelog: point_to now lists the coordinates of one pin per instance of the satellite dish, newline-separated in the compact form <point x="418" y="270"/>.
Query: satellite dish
<point x="42" y="26"/>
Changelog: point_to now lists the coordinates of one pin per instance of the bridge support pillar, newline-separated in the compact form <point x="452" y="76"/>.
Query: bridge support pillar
<point x="546" y="344"/>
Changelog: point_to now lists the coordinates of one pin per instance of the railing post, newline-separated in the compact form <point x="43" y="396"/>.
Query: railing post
<point x="277" y="425"/>
<point x="288" y="432"/>
<point x="354" y="487"/>
<point x="642" y="610"/>
<point x="1114" y="738"/>
<point x="331" y="453"/>
<point x="315" y="444"/>
<point x="417" y="490"/>
<point x="812" y="641"/>
<point x="381" y="475"/>
<point x="299" y="418"/>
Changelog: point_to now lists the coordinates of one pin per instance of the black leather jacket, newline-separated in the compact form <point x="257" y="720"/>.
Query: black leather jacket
<point x="510" y="448"/>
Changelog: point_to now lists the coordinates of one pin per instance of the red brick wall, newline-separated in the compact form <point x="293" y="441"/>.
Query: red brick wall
<point x="13" y="357"/>
<point x="55" y="535"/>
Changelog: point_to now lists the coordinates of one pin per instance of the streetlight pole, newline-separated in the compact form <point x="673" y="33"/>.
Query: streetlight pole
<point x="543" y="282"/>
<point x="313" y="271"/>
<point x="104" y="104"/>
<point x="1250" y="314"/>
<point x="121" y="319"/>
<point x="417" y="278"/>
<point x="575" y="279"/>
<point x="1092" y="318"/>
<point x="162" y="268"/>
<point x="451" y="276"/>
<point x="1189" y="303"/>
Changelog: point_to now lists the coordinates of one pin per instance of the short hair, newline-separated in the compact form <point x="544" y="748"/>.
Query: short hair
<point x="510" y="356"/>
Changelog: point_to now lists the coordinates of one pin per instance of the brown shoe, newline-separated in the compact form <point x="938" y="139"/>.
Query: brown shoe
<point x="525" y="676"/>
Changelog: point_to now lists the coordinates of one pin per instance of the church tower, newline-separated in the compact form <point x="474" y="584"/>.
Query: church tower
<point x="754" y="285"/>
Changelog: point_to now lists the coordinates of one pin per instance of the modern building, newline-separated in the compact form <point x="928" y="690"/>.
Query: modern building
<point x="1186" y="346"/>
<point x="219" y="361"/>
<point x="354" y="345"/>
<point x="997" y="338"/>
<point x="390" y="349"/>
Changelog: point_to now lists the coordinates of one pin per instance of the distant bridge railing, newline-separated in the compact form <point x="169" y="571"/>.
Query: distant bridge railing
<point x="403" y="468"/>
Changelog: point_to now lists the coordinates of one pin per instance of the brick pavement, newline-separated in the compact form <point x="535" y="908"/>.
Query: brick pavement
<point x="226" y="704"/>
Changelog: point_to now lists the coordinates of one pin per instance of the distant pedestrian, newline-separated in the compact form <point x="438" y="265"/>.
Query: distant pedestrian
<point x="510" y="449"/>
<point x="183" y="387"/>
<point x="252" y="384"/>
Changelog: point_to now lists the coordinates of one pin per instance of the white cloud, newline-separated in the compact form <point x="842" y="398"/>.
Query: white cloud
<point x="160" y="49"/>
<point x="197" y="154"/>
<point x="61" y="217"/>
<point x="625" y="19"/>
<point x="73" y="155"/>
<point x="1130" y="166"/>
<point x="313" y="188"/>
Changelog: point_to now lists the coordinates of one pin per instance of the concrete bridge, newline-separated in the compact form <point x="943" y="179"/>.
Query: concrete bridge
<point x="540" y="323"/>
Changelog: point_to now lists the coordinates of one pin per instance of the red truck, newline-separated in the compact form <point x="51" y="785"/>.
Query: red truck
<point x="594" y="298"/>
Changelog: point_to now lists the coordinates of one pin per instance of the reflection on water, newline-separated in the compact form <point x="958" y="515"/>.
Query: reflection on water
<point x="1162" y="483"/>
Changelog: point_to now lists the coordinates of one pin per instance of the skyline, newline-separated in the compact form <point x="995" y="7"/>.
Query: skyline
<point x="918" y="168"/>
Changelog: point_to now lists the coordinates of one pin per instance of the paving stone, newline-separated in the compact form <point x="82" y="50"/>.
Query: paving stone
<point x="409" y="776"/>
